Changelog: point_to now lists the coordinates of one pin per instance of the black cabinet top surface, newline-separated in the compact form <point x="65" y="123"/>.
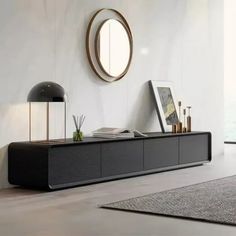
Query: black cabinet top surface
<point x="89" y="140"/>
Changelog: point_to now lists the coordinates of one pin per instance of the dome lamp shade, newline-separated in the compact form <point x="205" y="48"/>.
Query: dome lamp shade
<point x="46" y="92"/>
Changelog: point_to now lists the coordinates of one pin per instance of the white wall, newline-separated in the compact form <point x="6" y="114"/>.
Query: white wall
<point x="177" y="40"/>
<point x="229" y="48"/>
<point x="230" y="69"/>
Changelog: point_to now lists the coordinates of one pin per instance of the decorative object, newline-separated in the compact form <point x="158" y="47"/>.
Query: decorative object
<point x="189" y="120"/>
<point x="78" y="134"/>
<point x="108" y="132"/>
<point x="213" y="201"/>
<point x="109" y="44"/>
<point x="179" y="124"/>
<point x="165" y="104"/>
<point x="60" y="165"/>
<point x="184" y="128"/>
<point x="174" y="128"/>
<point x="46" y="92"/>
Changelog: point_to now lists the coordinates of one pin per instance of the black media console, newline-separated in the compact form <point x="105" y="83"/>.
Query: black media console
<point x="59" y="165"/>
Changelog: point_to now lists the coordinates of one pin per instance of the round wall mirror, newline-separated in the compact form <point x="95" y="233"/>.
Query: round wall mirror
<point x="112" y="45"/>
<point x="109" y="44"/>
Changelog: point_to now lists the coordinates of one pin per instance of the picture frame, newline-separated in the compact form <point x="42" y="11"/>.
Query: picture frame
<point x="166" y="104"/>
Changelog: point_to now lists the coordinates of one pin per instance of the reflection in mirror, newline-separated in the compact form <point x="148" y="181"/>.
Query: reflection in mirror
<point x="113" y="49"/>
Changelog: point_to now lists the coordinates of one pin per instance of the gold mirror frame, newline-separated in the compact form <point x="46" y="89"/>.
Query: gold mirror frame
<point x="94" y="61"/>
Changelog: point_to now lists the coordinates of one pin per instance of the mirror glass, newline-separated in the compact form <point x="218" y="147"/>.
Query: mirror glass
<point x="113" y="48"/>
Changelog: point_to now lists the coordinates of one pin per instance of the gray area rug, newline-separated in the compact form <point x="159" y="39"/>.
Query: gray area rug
<point x="213" y="201"/>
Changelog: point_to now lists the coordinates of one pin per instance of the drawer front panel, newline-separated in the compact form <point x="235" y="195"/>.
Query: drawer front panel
<point x="122" y="157"/>
<point x="194" y="148"/>
<point x="74" y="163"/>
<point x="160" y="153"/>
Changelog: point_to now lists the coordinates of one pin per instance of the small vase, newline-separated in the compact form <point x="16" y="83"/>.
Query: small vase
<point x="77" y="136"/>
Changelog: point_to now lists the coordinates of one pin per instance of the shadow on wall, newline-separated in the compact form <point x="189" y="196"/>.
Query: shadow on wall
<point x="144" y="116"/>
<point x="4" y="167"/>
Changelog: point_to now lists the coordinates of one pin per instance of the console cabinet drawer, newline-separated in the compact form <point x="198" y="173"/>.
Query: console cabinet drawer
<point x="194" y="148"/>
<point x="122" y="157"/>
<point x="74" y="163"/>
<point x="160" y="153"/>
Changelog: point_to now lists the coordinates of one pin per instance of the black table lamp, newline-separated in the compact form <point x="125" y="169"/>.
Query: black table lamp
<point x="47" y="92"/>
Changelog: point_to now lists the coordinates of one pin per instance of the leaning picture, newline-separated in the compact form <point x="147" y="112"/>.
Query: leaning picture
<point x="168" y="105"/>
<point x="165" y="104"/>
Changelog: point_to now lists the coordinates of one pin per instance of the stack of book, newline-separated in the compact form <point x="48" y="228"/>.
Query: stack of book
<point x="106" y="132"/>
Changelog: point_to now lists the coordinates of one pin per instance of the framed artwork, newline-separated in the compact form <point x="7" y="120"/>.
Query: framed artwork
<point x="165" y="104"/>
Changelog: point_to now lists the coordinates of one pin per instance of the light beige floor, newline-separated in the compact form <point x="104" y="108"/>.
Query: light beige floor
<point x="75" y="211"/>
